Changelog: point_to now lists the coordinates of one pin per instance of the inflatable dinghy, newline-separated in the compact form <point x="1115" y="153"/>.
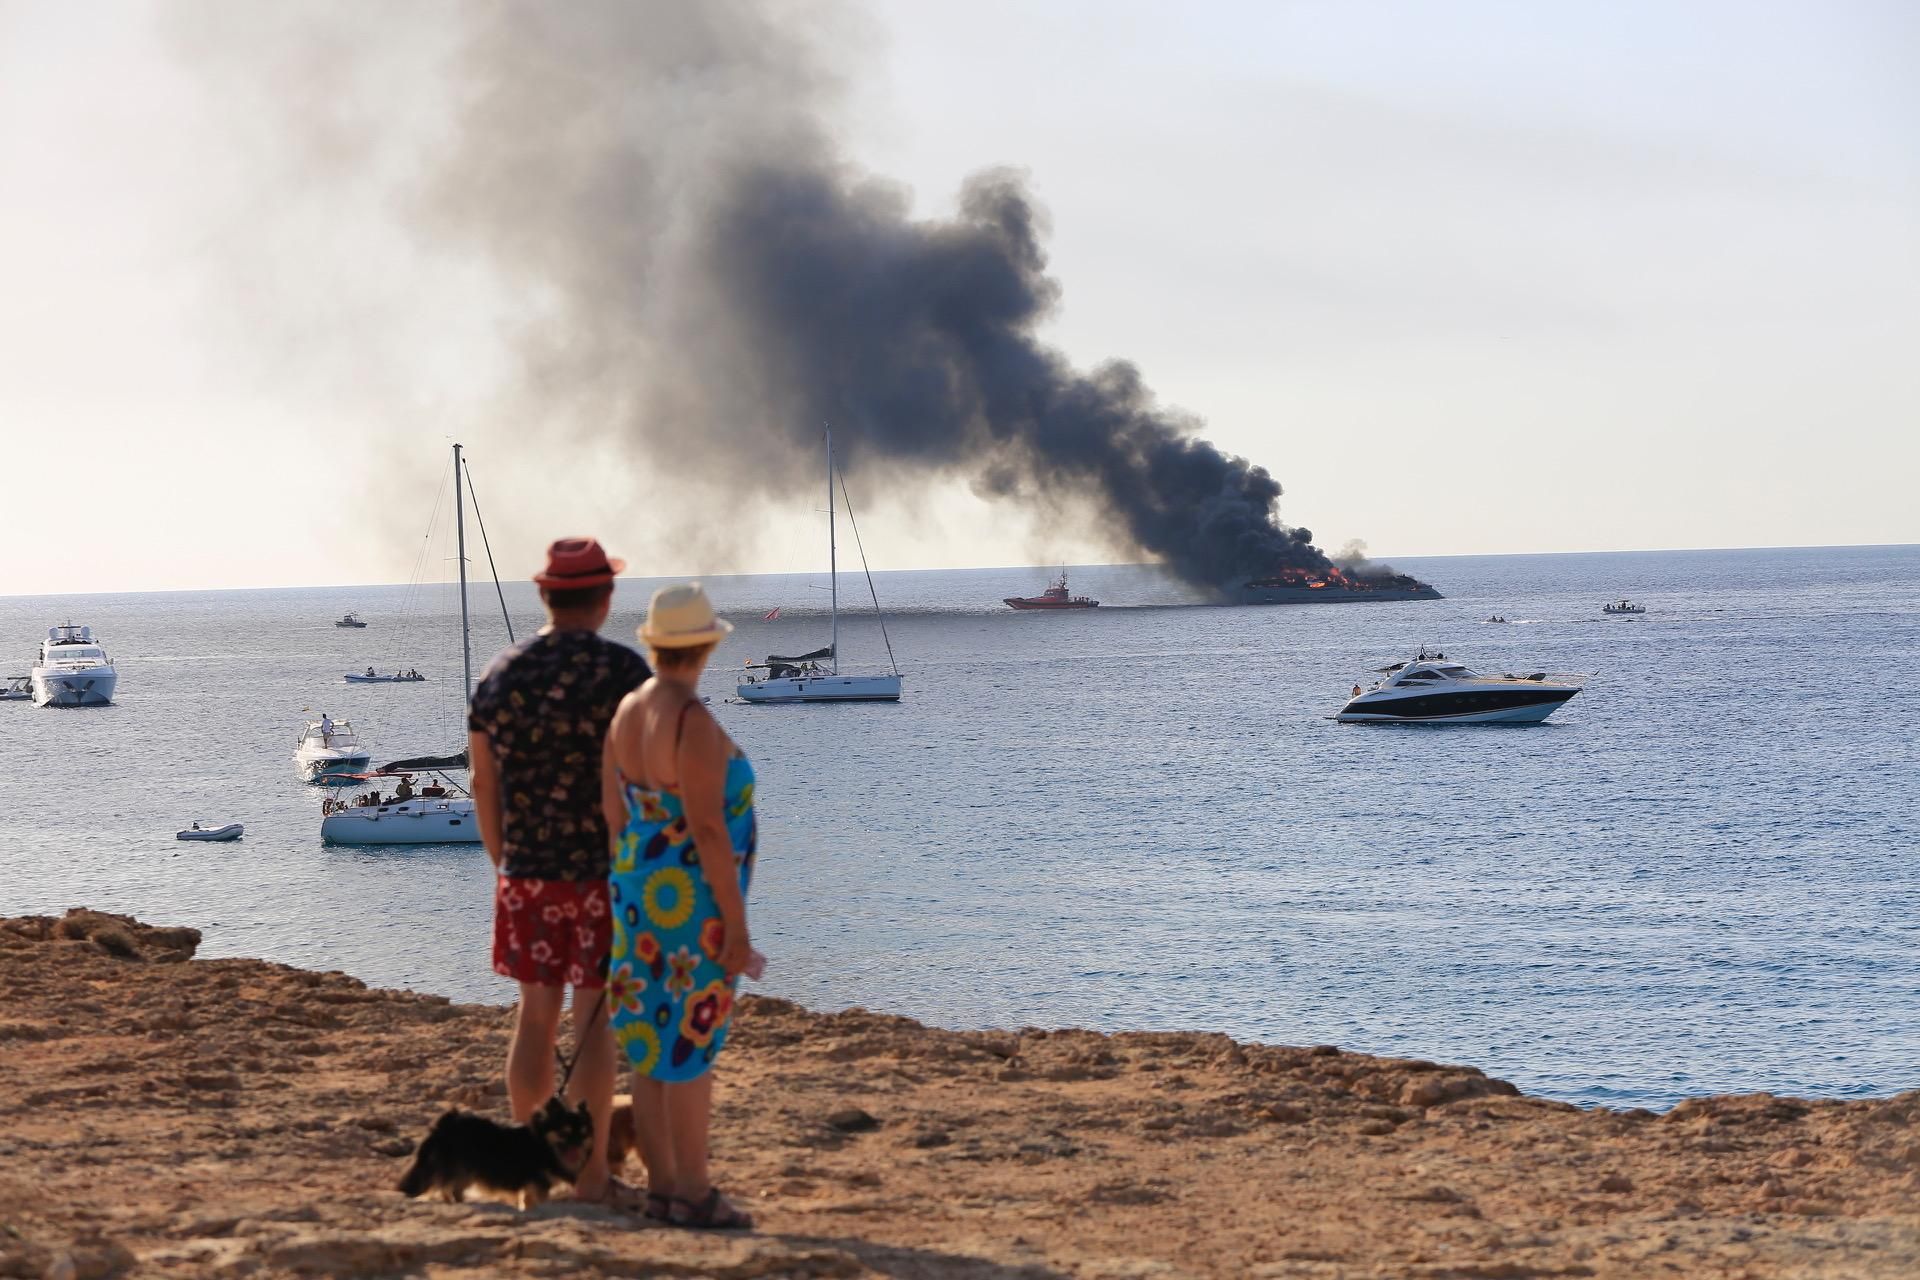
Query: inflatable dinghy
<point x="197" y="832"/>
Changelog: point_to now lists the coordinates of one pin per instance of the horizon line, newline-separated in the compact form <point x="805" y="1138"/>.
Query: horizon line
<point x="986" y="568"/>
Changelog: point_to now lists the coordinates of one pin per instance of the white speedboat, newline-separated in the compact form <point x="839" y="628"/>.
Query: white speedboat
<point x="1431" y="690"/>
<point x="816" y="676"/>
<point x="72" y="670"/>
<point x="409" y="676"/>
<point x="327" y="747"/>
<point x="16" y="689"/>
<point x="232" y="831"/>
<point x="350" y="620"/>
<point x="1623" y="606"/>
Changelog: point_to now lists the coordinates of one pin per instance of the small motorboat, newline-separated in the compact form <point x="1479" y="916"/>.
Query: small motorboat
<point x="232" y="831"/>
<point x="16" y="689"/>
<point x="1623" y="606"/>
<point x="1496" y="618"/>
<point x="351" y="620"/>
<point x="409" y="676"/>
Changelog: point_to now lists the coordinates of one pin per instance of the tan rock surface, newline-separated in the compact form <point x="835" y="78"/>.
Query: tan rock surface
<point x="161" y="1116"/>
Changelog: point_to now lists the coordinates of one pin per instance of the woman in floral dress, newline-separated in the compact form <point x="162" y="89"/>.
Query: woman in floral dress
<point x="679" y="801"/>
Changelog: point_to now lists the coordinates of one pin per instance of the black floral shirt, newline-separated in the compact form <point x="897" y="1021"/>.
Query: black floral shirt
<point x="545" y="705"/>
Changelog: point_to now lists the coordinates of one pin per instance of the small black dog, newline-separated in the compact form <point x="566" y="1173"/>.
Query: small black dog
<point x="463" y="1150"/>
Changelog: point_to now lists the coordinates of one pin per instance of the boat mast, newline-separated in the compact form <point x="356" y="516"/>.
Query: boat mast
<point x="833" y="561"/>
<point x="460" y="525"/>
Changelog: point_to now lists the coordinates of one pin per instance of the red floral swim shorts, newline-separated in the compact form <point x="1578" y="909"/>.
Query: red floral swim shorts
<point x="552" y="933"/>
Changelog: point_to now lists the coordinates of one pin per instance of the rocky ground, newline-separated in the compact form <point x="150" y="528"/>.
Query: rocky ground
<point x="163" y="1116"/>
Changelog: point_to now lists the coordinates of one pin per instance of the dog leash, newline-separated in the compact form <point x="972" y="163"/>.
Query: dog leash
<point x="580" y="1035"/>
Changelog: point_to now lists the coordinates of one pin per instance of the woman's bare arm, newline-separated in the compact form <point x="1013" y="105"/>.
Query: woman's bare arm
<point x="612" y="804"/>
<point x="702" y="766"/>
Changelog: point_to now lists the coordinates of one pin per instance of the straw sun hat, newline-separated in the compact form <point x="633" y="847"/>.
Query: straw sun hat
<point x="681" y="616"/>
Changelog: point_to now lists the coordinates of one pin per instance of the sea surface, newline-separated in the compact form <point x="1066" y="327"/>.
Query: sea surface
<point x="1703" y="875"/>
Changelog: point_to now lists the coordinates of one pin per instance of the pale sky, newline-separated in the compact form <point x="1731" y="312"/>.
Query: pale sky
<point x="1466" y="277"/>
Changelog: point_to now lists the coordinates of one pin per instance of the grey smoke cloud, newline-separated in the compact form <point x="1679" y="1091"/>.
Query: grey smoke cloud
<point x="700" y="274"/>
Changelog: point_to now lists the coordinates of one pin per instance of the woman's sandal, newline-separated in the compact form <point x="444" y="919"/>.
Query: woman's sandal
<point x="713" y="1213"/>
<point x="659" y="1207"/>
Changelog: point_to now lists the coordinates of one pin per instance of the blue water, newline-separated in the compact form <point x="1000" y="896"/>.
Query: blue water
<point x="1702" y="875"/>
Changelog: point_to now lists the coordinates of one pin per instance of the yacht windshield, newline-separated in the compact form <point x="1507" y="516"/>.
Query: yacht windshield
<point x="77" y="653"/>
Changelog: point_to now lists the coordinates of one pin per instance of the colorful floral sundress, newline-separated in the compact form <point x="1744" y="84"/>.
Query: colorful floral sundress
<point x="671" y="1001"/>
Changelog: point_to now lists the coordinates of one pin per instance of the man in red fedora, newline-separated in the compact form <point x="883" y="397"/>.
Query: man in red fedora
<point x="535" y="731"/>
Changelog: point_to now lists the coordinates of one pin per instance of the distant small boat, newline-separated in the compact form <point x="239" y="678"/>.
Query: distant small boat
<point x="232" y="831"/>
<point x="1496" y="618"/>
<point x="16" y="689"/>
<point x="408" y="676"/>
<point x="1055" y="596"/>
<point x="351" y="620"/>
<point x="1623" y="606"/>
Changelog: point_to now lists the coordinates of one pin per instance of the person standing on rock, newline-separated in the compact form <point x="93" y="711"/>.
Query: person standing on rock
<point x="679" y="796"/>
<point x="535" y="731"/>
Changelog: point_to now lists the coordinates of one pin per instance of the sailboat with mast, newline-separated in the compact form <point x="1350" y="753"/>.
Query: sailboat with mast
<point x="441" y="811"/>
<point x="816" y="676"/>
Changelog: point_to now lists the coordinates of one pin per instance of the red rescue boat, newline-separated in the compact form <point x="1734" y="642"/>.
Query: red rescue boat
<point x="1055" y="596"/>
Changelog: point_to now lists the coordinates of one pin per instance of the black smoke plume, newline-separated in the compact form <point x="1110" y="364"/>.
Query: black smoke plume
<point x="704" y="274"/>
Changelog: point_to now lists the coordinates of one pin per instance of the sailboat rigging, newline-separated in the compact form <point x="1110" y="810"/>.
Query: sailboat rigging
<point x="804" y="678"/>
<point x="441" y="812"/>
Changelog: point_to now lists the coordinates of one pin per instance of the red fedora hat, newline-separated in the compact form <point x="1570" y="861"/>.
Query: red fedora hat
<point x="578" y="562"/>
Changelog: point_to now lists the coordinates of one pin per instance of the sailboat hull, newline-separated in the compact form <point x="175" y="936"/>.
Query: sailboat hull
<point x="822" y="688"/>
<point x="417" y="821"/>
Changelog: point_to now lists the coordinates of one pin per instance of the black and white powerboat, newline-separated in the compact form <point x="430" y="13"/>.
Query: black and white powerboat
<point x="1432" y="690"/>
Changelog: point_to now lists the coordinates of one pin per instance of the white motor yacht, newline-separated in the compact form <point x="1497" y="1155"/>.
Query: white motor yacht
<point x="72" y="670"/>
<point x="1431" y="690"/>
<point x="327" y="747"/>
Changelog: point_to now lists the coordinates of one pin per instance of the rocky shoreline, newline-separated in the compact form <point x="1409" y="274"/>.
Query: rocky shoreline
<point x="166" y="1116"/>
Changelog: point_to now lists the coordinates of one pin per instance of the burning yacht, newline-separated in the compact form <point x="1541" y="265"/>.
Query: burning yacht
<point x="1332" y="585"/>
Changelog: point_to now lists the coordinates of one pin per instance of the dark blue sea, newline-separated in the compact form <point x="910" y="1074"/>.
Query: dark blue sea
<point x="1703" y="875"/>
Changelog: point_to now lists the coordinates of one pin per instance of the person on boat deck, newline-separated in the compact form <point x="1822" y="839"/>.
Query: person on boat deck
<point x="535" y="728"/>
<point x="404" y="791"/>
<point x="679" y="794"/>
<point x="326" y="729"/>
<point x="369" y="670"/>
<point x="1356" y="691"/>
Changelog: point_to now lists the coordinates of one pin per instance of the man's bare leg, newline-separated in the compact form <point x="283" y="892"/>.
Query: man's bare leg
<point x="530" y="1055"/>
<point x="592" y="1079"/>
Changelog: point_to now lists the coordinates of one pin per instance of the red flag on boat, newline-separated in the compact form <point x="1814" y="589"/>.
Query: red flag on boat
<point x="771" y="614"/>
